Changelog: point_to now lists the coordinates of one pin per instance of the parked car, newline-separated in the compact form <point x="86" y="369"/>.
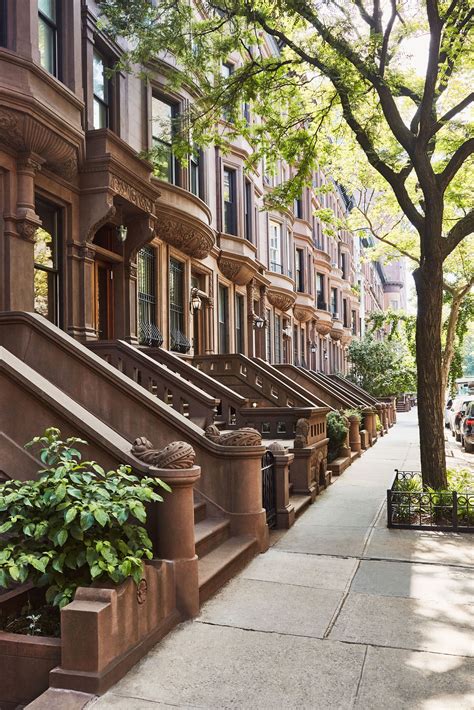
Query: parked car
<point x="467" y="428"/>
<point x="447" y="411"/>
<point x="459" y="405"/>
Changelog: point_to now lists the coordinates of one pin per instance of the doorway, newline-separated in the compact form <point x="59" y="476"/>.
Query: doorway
<point x="104" y="300"/>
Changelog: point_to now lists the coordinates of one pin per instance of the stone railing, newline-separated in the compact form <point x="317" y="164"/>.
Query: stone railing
<point x="229" y="401"/>
<point x="175" y="391"/>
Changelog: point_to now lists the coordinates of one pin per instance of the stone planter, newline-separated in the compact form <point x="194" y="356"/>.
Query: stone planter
<point x="25" y="661"/>
<point x="104" y="632"/>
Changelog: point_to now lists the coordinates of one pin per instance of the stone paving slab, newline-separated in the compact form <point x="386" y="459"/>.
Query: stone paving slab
<point x="332" y="573"/>
<point x="322" y="540"/>
<point x="270" y="606"/>
<point x="406" y="623"/>
<point x="348" y="514"/>
<point x="216" y="667"/>
<point x="417" y="581"/>
<point x="415" y="681"/>
<point x="422" y="546"/>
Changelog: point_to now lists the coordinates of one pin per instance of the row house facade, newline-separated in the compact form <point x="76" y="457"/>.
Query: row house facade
<point x="106" y="246"/>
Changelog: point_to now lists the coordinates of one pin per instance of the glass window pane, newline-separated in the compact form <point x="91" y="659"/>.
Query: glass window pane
<point x="162" y="115"/>
<point x="46" y="44"/>
<point x="98" y="77"/>
<point x="48" y="8"/>
<point x="43" y="248"/>
<point x="100" y="115"/>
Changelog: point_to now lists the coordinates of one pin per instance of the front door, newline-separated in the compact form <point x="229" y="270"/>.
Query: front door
<point x="104" y="300"/>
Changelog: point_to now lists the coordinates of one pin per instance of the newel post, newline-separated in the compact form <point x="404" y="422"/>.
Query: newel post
<point x="170" y="524"/>
<point x="354" y="433"/>
<point x="285" y="512"/>
<point x="370" y="424"/>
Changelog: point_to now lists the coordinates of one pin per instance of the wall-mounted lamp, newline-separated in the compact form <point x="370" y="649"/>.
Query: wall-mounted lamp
<point x="122" y="233"/>
<point x="313" y="346"/>
<point x="258" y="322"/>
<point x="195" y="303"/>
<point x="287" y="331"/>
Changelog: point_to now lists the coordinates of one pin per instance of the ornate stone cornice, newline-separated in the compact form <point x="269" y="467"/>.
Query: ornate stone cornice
<point x="239" y="269"/>
<point x="24" y="133"/>
<point x="184" y="233"/>
<point x="280" y="298"/>
<point x="303" y="313"/>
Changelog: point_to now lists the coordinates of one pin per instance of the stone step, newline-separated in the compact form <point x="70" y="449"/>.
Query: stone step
<point x="200" y="511"/>
<point x="223" y="563"/>
<point x="300" y="502"/>
<point x="209" y="534"/>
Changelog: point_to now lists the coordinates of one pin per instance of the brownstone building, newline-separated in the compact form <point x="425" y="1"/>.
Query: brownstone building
<point x="105" y="246"/>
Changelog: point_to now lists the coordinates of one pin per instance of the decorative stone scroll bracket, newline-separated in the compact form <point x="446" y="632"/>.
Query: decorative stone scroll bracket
<point x="177" y="455"/>
<point x="240" y="437"/>
<point x="301" y="434"/>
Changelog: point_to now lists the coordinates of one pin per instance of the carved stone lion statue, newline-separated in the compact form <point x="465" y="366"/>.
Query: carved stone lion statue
<point x="178" y="454"/>
<point x="301" y="434"/>
<point x="240" y="437"/>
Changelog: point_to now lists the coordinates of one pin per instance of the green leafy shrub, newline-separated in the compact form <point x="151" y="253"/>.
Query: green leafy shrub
<point x="378" y="423"/>
<point x="354" y="412"/>
<point x="76" y="524"/>
<point x="336" y="428"/>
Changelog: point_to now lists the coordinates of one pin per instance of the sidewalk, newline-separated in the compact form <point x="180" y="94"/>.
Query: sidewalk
<point x="340" y="613"/>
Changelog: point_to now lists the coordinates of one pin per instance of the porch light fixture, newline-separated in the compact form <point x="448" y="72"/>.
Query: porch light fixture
<point x="258" y="322"/>
<point x="196" y="303"/>
<point x="122" y="233"/>
<point x="314" y="346"/>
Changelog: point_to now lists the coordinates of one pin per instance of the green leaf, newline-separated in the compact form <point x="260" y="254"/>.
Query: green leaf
<point x="61" y="537"/>
<point x="14" y="573"/>
<point x="101" y="517"/>
<point x="70" y="514"/>
<point x="87" y="520"/>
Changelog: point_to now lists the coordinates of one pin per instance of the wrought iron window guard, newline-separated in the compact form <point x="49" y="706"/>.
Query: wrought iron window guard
<point x="426" y="509"/>
<point x="269" y="488"/>
<point x="179" y="342"/>
<point x="150" y="335"/>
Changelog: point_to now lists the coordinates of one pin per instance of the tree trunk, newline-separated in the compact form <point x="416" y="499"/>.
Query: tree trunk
<point x="450" y="335"/>
<point x="429" y="287"/>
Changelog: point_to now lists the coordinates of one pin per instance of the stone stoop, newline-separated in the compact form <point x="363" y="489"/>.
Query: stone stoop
<point x="221" y="555"/>
<point x="299" y="501"/>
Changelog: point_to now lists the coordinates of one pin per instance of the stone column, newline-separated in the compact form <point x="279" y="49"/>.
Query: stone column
<point x="285" y="511"/>
<point x="354" y="434"/>
<point x="369" y="423"/>
<point x="171" y="529"/>
<point x="380" y="408"/>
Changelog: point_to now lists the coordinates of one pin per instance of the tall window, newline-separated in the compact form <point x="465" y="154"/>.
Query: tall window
<point x="277" y="339"/>
<point x="344" y="265"/>
<point x="3" y="23"/>
<point x="275" y="247"/>
<point x="101" y="92"/>
<point x="334" y="309"/>
<point x="164" y="115"/>
<point x="48" y="35"/>
<point x="345" y="313"/>
<point x="148" y="330"/>
<point x="298" y="208"/>
<point x="195" y="172"/>
<point x="178" y="340"/>
<point x="295" y="345"/>
<point x="227" y="69"/>
<point x="239" y="323"/>
<point x="303" y="348"/>
<point x="223" y="324"/>
<point x="230" y="201"/>
<point x="320" y="292"/>
<point x="354" y="323"/>
<point x="299" y="270"/>
<point x="46" y="262"/>
<point x="248" y="210"/>
<point x="268" y="336"/>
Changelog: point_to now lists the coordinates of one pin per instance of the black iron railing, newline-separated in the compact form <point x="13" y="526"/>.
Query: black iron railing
<point x="269" y="488"/>
<point x="410" y="506"/>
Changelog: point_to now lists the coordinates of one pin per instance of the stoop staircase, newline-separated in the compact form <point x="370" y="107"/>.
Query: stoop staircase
<point x="221" y="555"/>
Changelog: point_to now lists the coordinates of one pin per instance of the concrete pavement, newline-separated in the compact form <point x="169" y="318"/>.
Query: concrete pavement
<point x="340" y="613"/>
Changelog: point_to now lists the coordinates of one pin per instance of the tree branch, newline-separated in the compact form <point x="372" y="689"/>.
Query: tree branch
<point x="453" y="112"/>
<point x="455" y="163"/>
<point x="456" y="234"/>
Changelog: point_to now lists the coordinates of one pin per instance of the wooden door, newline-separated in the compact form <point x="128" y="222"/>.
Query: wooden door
<point x="104" y="300"/>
